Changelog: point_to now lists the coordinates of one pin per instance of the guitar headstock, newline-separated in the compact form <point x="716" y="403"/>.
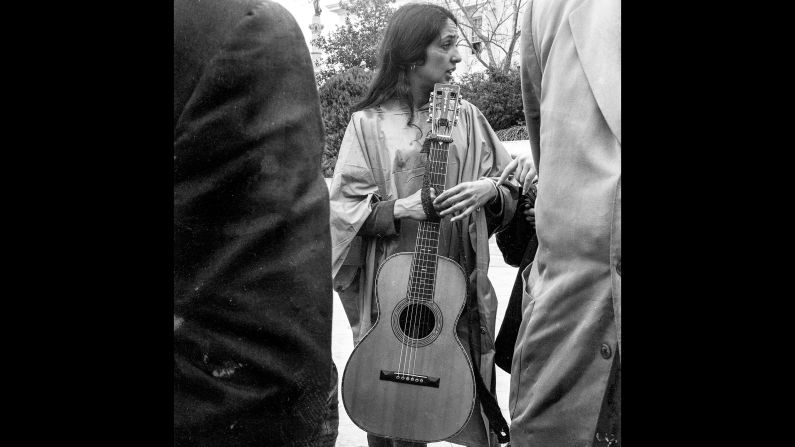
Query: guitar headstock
<point x="443" y="116"/>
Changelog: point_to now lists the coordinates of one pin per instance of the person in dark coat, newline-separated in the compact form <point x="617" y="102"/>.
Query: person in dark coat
<point x="518" y="243"/>
<point x="252" y="259"/>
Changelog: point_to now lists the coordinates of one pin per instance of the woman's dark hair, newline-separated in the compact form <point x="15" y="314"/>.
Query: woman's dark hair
<point x="410" y="30"/>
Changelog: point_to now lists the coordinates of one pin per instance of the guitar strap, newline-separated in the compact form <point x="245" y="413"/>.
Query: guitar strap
<point x="425" y="194"/>
<point x="488" y="401"/>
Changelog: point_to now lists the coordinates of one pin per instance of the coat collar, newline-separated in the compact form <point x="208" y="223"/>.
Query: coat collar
<point x="596" y="28"/>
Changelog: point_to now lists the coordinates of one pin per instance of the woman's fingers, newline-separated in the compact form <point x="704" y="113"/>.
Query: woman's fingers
<point x="527" y="180"/>
<point x="508" y="171"/>
<point x="448" y="197"/>
<point x="456" y="204"/>
<point x="526" y="175"/>
<point x="464" y="213"/>
<point x="463" y="199"/>
<point x="461" y="209"/>
<point x="523" y="171"/>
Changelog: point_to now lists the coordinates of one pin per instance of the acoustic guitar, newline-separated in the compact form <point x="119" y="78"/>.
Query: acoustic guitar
<point x="410" y="378"/>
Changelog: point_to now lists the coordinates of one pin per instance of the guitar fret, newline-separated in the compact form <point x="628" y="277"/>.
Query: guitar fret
<point x="420" y="285"/>
<point x="429" y="266"/>
<point x="422" y="276"/>
<point x="419" y="293"/>
<point x="423" y="282"/>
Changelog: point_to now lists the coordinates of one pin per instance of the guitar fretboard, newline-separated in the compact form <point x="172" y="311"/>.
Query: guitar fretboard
<point x="422" y="278"/>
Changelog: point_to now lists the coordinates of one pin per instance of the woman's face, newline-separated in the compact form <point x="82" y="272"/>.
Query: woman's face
<point x="440" y="59"/>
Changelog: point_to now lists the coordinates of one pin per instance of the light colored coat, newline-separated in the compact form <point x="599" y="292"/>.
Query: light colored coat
<point x="571" y="307"/>
<point x="378" y="139"/>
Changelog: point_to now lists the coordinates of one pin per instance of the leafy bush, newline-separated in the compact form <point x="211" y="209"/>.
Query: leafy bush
<point x="356" y="41"/>
<point x="337" y="95"/>
<point x="497" y="94"/>
<point x="513" y="133"/>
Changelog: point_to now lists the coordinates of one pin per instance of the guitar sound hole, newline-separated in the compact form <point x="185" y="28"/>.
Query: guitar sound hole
<point x="417" y="321"/>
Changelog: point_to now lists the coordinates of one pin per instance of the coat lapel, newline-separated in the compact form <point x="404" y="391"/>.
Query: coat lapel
<point x="596" y="28"/>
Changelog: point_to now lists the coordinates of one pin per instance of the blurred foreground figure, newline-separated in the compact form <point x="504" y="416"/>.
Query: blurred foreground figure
<point x="565" y="374"/>
<point x="252" y="270"/>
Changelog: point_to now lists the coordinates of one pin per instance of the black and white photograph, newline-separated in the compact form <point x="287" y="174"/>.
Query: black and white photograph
<point x="397" y="223"/>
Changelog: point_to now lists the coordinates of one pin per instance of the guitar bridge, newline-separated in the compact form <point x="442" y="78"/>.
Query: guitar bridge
<point x="410" y="379"/>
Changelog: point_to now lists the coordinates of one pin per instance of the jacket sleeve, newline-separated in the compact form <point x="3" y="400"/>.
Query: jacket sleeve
<point x="381" y="221"/>
<point x="530" y="75"/>
<point x="353" y="194"/>
<point x="493" y="159"/>
<point x="514" y="239"/>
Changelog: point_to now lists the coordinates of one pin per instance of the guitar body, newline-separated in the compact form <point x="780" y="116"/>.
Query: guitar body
<point x="410" y="378"/>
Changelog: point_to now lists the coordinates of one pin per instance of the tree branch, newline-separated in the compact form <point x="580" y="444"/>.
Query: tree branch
<point x="477" y="32"/>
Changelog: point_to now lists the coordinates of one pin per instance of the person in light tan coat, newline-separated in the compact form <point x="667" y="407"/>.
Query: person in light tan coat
<point x="565" y="374"/>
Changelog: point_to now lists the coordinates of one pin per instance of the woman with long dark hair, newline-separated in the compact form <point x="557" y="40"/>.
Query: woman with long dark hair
<point x="376" y="199"/>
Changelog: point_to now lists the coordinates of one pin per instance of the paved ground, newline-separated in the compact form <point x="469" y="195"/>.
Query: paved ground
<point x="501" y="276"/>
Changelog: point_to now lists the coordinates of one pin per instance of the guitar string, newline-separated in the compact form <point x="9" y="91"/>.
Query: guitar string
<point x="426" y="254"/>
<point x="439" y="152"/>
<point x="422" y="228"/>
<point x="436" y="153"/>
<point x="425" y="264"/>
<point x="425" y="238"/>
<point x="412" y="295"/>
<point x="429" y="259"/>
<point x="403" y="364"/>
<point x="419" y="248"/>
<point x="438" y="162"/>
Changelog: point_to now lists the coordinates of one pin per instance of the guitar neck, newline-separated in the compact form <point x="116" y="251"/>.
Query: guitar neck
<point x="437" y="165"/>
<point x="422" y="278"/>
<point x="444" y="103"/>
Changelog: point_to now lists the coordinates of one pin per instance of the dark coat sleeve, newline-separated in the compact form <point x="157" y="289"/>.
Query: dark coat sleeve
<point x="252" y="262"/>
<point x="381" y="221"/>
<point x="514" y="240"/>
<point x="518" y="243"/>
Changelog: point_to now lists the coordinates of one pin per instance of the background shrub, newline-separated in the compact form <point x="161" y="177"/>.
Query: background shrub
<point x="497" y="94"/>
<point x="513" y="133"/>
<point x="337" y="95"/>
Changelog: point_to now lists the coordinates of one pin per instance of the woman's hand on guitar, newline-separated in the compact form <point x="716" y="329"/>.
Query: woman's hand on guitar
<point x="464" y="198"/>
<point x="523" y="171"/>
<point x="411" y="207"/>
